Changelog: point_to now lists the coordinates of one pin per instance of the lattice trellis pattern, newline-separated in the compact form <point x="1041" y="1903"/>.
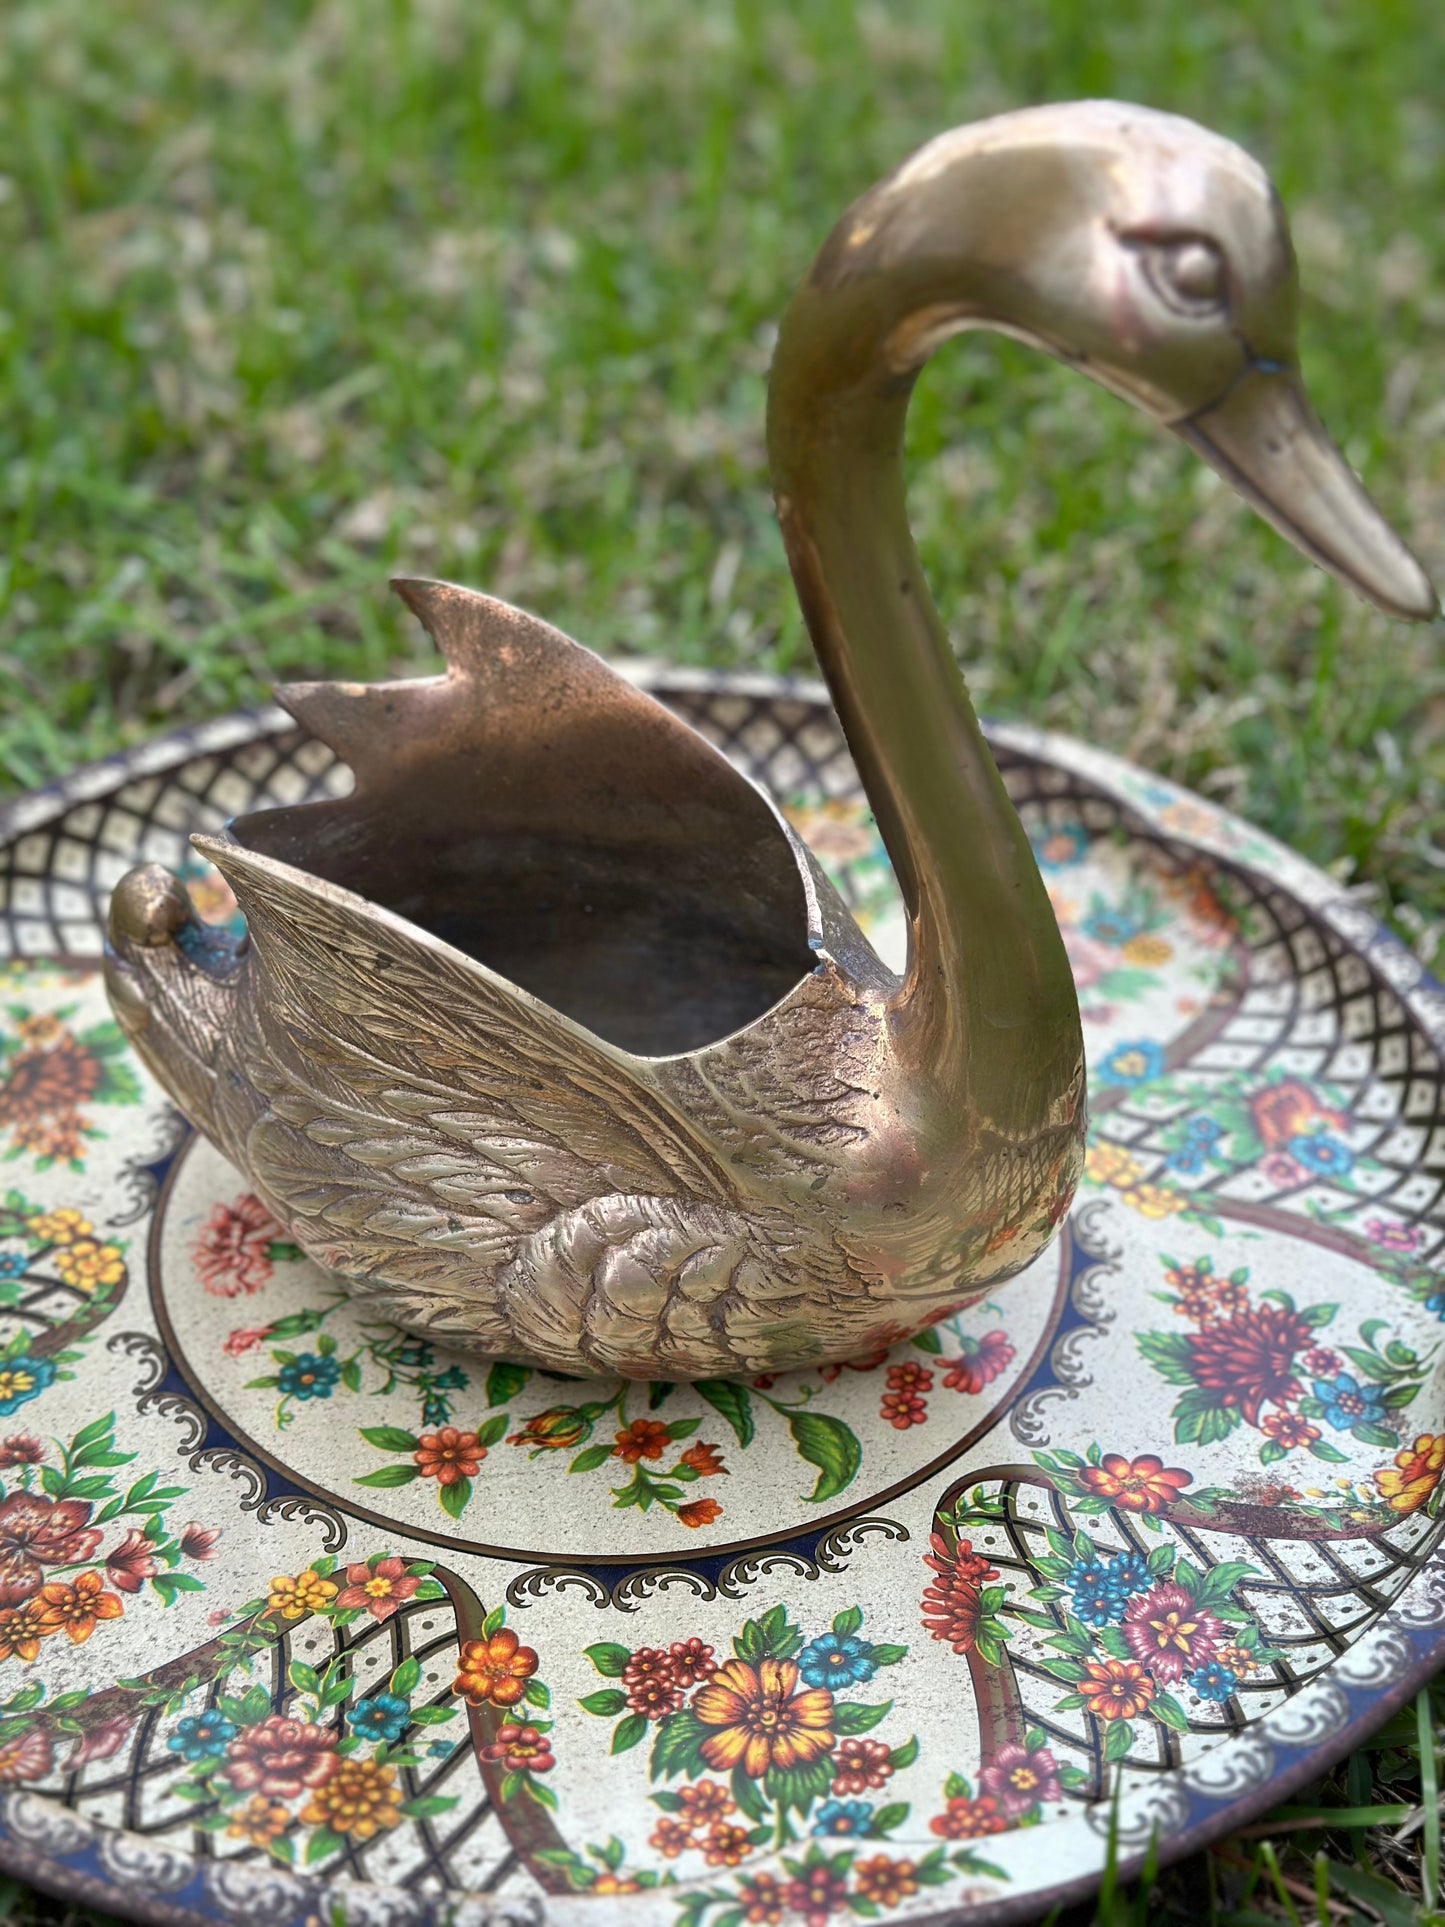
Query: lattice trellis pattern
<point x="1311" y="1602"/>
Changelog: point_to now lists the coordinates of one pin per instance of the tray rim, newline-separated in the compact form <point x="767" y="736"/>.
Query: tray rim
<point x="1388" y="959"/>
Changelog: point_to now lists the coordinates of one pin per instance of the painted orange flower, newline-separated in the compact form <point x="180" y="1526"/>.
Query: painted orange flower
<point x="705" y="1460"/>
<point x="705" y="1804"/>
<point x="1115" y="1689"/>
<point x="698" y="1512"/>
<point x="449" y="1455"/>
<point x="76" y="1609"/>
<point x="670" y="1837"/>
<point x="645" y="1438"/>
<point x="494" y="1670"/>
<point x="966" y="1819"/>
<point x="884" y="1881"/>
<point x="762" y="1720"/>
<point x="259" y="1821"/>
<point x="21" y="1630"/>
<point x="763" y="1899"/>
<point x="1408" y="1483"/>
<point x="1144" y="1484"/>
<point x="359" y="1799"/>
<point x="725" y="1846"/>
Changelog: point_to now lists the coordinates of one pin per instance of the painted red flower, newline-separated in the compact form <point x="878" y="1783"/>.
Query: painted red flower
<point x="862" y="1765"/>
<point x="131" y="1563"/>
<point x="650" y="1682"/>
<point x="902" y="1409"/>
<point x="975" y="1369"/>
<point x="698" y="1512"/>
<point x="817" y="1892"/>
<point x="522" y="1749"/>
<point x="1169" y="1634"/>
<point x="910" y="1376"/>
<point x="278" y="1757"/>
<point x="645" y="1438"/>
<point x="243" y="1340"/>
<point x="692" y="1662"/>
<point x="705" y="1460"/>
<point x="1249" y="1360"/>
<point x="232" y="1252"/>
<point x="20" y="1449"/>
<point x="1019" y="1779"/>
<point x="35" y="1532"/>
<point x="99" y="1743"/>
<point x="1144" y="1484"/>
<point x="1288" y="1109"/>
<point x="952" y="1599"/>
<point x="965" y="1819"/>
<point x="378" y="1589"/>
<point x="1288" y="1429"/>
<point x="199" y="1542"/>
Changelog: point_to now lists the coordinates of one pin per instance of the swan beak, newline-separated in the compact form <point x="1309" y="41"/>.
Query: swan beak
<point x="1268" y="444"/>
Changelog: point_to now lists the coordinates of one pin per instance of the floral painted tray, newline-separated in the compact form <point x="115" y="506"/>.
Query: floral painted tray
<point x="302" y="1618"/>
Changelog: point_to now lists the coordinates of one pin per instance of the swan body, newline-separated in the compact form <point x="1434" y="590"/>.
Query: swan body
<point x="551" y="1037"/>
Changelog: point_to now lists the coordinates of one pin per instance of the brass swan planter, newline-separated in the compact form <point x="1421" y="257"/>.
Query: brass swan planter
<point x="552" y="1038"/>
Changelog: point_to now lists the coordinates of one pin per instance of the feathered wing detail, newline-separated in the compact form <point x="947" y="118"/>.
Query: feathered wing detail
<point x="435" y="1111"/>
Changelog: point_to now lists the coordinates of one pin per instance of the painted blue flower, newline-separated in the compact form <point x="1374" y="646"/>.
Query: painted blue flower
<point x="13" y="1263"/>
<point x="202" y="1736"/>
<point x="1319" y="1152"/>
<point x="1130" y="1064"/>
<point x="843" y="1818"/>
<point x="1213" y="1682"/>
<point x="1113" y="927"/>
<point x="1127" y="1573"/>
<point x="22" y="1379"/>
<point x="1436" y="1303"/>
<point x="309" y="1376"/>
<point x="1347" y="1403"/>
<point x="384" y="1717"/>
<point x="1094" y="1602"/>
<point x="1056" y="848"/>
<point x="833" y="1661"/>
<point x="441" y="1749"/>
<point x="1201" y="1134"/>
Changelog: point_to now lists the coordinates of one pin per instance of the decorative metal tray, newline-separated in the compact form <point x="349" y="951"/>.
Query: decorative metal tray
<point x="301" y="1617"/>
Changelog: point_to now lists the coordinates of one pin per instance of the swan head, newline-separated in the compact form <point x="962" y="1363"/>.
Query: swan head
<point x="1155" y="257"/>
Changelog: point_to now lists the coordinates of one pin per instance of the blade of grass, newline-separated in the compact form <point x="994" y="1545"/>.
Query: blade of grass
<point x="1271" y="1860"/>
<point x="1429" y="1799"/>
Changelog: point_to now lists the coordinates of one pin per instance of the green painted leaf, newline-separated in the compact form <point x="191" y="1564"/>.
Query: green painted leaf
<point x="505" y="1380"/>
<point x="589" y="1460"/>
<point x="607" y="1702"/>
<point x="407" y="1677"/>
<point x="927" y="1341"/>
<point x="389" y="1438"/>
<point x="627" y="1733"/>
<point x="453" y="1498"/>
<point x="1331" y="1454"/>
<point x="847" y="1622"/>
<point x="850" y="1718"/>
<point x="830" y="1445"/>
<point x="733" y="1401"/>
<point x="608" y="1658"/>
<point x="491" y="1430"/>
<point x="388" y="1475"/>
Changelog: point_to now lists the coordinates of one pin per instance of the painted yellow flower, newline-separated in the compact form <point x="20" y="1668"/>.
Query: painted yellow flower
<point x="762" y="1720"/>
<point x="358" y="1798"/>
<point x="259" y="1821"/>
<point x="1153" y="1201"/>
<point x="1111" y="1164"/>
<point x="1147" y="951"/>
<point x="59" y="1227"/>
<point x="1408" y="1483"/>
<point x="308" y="1592"/>
<point x="86" y="1264"/>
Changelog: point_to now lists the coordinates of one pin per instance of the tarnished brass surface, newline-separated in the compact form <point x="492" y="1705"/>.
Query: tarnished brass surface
<point x="551" y="1037"/>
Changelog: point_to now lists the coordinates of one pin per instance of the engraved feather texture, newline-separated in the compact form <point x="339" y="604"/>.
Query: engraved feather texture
<point x="474" y="1161"/>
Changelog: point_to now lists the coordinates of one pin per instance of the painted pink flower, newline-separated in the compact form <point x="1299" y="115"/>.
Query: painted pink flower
<point x="232" y="1251"/>
<point x="1390" y="1236"/>
<point x="131" y="1563"/>
<point x="25" y="1756"/>
<point x="35" y="1532"/>
<point x="1169" y="1634"/>
<point x="1282" y="1171"/>
<point x="978" y="1368"/>
<point x="1089" y="960"/>
<point x="99" y="1743"/>
<point x="199" y="1542"/>
<point x="1019" y="1779"/>
<point x="378" y="1589"/>
<point x="242" y="1340"/>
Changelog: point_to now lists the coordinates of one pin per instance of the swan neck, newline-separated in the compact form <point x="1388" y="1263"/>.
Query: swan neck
<point x="987" y="1009"/>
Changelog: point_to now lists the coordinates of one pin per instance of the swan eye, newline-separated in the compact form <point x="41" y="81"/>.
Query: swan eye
<point x="1187" y="275"/>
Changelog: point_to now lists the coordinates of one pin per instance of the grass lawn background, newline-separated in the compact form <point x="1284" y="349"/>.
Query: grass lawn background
<point x="294" y="295"/>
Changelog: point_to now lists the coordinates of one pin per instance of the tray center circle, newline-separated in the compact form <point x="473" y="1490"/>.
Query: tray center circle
<point x="498" y="1457"/>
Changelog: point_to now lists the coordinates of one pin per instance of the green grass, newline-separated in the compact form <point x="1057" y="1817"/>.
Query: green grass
<point x="295" y="295"/>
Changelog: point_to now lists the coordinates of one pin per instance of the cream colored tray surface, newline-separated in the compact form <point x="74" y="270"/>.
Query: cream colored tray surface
<point x="303" y="1618"/>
